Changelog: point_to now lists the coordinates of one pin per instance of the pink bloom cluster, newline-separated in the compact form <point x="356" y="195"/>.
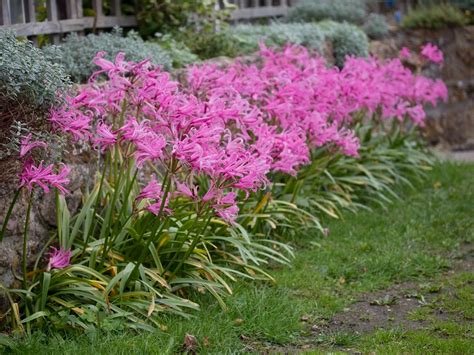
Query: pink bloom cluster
<point x="40" y="175"/>
<point x="142" y="111"/>
<point x="296" y="98"/>
<point x="236" y="124"/>
<point x="432" y="53"/>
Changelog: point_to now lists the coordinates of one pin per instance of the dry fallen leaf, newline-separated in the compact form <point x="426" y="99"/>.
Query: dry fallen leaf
<point x="190" y="343"/>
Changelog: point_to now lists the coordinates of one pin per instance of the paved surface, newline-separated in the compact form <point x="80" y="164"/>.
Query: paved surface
<point x="464" y="156"/>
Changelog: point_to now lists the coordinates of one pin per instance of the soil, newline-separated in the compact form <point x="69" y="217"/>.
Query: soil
<point x="387" y="309"/>
<point x="391" y="308"/>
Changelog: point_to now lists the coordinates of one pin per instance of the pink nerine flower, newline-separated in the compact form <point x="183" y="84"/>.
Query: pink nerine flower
<point x="105" y="136"/>
<point x="27" y="145"/>
<point x="226" y="207"/>
<point x="44" y="177"/>
<point x="154" y="191"/>
<point x="59" y="259"/>
<point x="404" y="53"/>
<point x="433" y="53"/>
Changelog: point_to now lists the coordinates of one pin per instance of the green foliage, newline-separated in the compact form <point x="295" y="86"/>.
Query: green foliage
<point x="76" y="53"/>
<point x="27" y="76"/>
<point x="352" y="11"/>
<point x="248" y="37"/>
<point x="209" y="44"/>
<point x="434" y="17"/>
<point x="332" y="184"/>
<point x="244" y="39"/>
<point x="164" y="16"/>
<point x="179" y="53"/>
<point x="346" y="39"/>
<point x="376" y="26"/>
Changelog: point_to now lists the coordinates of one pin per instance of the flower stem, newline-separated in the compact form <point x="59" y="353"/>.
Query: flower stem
<point x="25" y="239"/>
<point x="9" y="213"/>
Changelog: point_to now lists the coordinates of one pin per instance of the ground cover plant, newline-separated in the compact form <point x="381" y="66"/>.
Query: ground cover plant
<point x="197" y="183"/>
<point x="427" y="235"/>
<point x="435" y="17"/>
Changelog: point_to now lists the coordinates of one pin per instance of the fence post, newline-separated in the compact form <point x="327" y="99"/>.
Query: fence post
<point x="30" y="11"/>
<point x="116" y="8"/>
<point x="97" y="6"/>
<point x="71" y="9"/>
<point x="52" y="10"/>
<point x="6" y="19"/>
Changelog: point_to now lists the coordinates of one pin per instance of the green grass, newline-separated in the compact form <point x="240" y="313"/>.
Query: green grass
<point x="416" y="239"/>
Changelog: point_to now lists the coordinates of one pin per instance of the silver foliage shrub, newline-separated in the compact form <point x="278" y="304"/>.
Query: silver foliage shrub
<point x="25" y="74"/>
<point x="277" y="34"/>
<point x="353" y="11"/>
<point x="76" y="53"/>
<point x="347" y="39"/>
<point x="376" y="26"/>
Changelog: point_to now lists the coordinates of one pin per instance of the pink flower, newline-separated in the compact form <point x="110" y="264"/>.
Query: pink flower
<point x="44" y="177"/>
<point x="150" y="147"/>
<point x="71" y="121"/>
<point x="184" y="190"/>
<point x="432" y="53"/>
<point x="154" y="191"/>
<point x="404" y="53"/>
<point x="226" y="207"/>
<point x="27" y="145"/>
<point x="105" y="137"/>
<point x="59" y="259"/>
<point x="134" y="131"/>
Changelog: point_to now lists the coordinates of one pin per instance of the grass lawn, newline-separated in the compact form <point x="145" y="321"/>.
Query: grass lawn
<point x="415" y="256"/>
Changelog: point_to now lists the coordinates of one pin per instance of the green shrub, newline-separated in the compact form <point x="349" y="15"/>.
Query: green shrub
<point x="26" y="75"/>
<point x="277" y="34"/>
<point x="434" y="17"/>
<point x="76" y="53"/>
<point x="178" y="51"/>
<point x="165" y="16"/>
<point x="347" y="39"/>
<point x="353" y="11"/>
<point x="210" y="44"/>
<point x="376" y="26"/>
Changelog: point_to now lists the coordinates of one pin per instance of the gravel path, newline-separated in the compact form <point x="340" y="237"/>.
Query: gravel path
<point x="462" y="156"/>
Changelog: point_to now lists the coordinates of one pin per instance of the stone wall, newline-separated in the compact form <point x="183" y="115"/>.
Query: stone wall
<point x="450" y="125"/>
<point x="43" y="213"/>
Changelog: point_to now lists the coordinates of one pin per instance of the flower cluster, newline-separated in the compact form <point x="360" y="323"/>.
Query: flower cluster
<point x="298" y="102"/>
<point x="40" y="175"/>
<point x="236" y="124"/>
<point x="143" y="113"/>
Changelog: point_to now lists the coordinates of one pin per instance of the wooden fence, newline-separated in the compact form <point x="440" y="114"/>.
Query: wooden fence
<point x="62" y="16"/>
<point x="253" y="9"/>
<point x="65" y="16"/>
